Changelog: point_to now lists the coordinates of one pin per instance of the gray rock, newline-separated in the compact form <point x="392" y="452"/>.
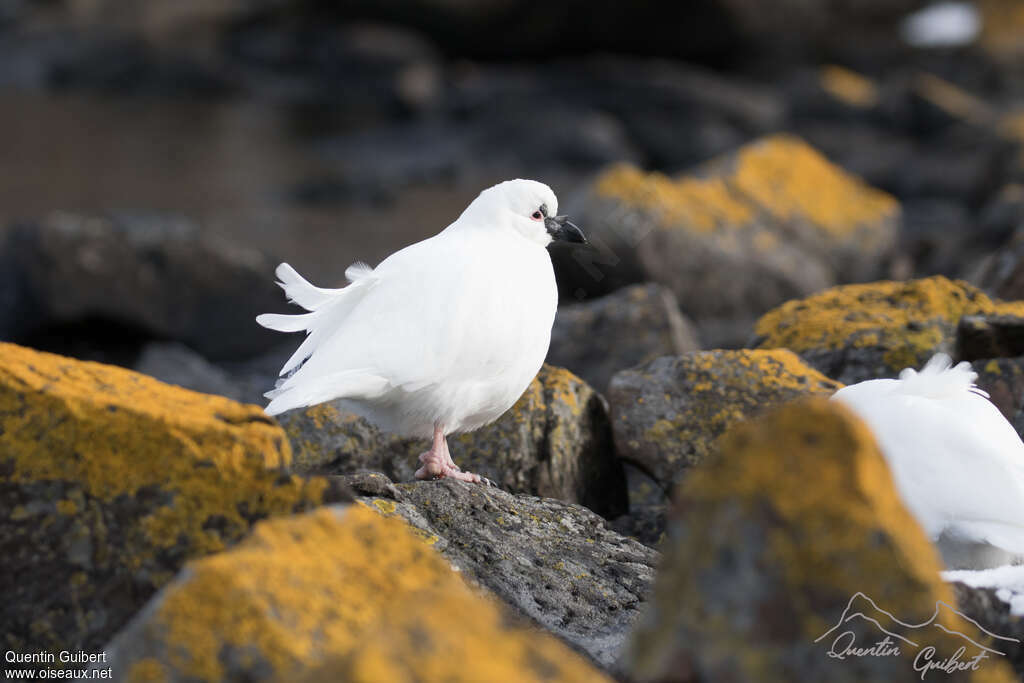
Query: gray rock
<point x="668" y="414"/>
<point x="771" y="221"/>
<point x="160" y="275"/>
<point x="763" y="558"/>
<point x="634" y="325"/>
<point x="983" y="606"/>
<point x="555" y="562"/>
<point x="555" y="442"/>
<point x="175" y="363"/>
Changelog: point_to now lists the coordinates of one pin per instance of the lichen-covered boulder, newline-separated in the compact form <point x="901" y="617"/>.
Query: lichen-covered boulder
<point x="667" y="415"/>
<point x="775" y="211"/>
<point x="110" y="481"/>
<point x="858" y="332"/>
<point x="791" y="545"/>
<point x="555" y="562"/>
<point x="636" y="324"/>
<point x="554" y="442"/>
<point x="339" y="594"/>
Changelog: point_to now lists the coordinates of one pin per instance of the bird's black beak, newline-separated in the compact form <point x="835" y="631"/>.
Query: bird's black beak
<point x="562" y="230"/>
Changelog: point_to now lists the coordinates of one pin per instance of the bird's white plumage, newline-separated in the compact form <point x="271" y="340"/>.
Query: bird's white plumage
<point x="957" y="462"/>
<point x="450" y="330"/>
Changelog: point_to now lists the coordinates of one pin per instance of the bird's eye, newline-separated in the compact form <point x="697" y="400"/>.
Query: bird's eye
<point x="536" y="215"/>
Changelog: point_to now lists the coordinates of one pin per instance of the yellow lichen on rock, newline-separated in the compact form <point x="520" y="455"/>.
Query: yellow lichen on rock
<point x="790" y="179"/>
<point x="795" y="517"/>
<point x="336" y="595"/>
<point x="779" y="177"/>
<point x="907" y="321"/>
<point x="848" y="86"/>
<point x="669" y="413"/>
<point x="702" y="205"/>
<point x="145" y="475"/>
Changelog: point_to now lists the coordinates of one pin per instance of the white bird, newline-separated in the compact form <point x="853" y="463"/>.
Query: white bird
<point x="956" y="461"/>
<point x="444" y="335"/>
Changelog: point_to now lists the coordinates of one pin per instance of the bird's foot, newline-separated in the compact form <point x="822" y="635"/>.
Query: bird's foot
<point x="437" y="466"/>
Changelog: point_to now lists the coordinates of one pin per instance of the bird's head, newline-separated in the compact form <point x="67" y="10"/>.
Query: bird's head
<point x="527" y="206"/>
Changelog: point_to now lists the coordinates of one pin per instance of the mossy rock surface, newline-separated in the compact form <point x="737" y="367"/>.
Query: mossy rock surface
<point x="794" y="526"/>
<point x="668" y="414"/>
<point x="110" y="481"/>
<point x="554" y="442"/>
<point x="338" y="594"/>
<point x="775" y="211"/>
<point x="866" y="331"/>
<point x="557" y="563"/>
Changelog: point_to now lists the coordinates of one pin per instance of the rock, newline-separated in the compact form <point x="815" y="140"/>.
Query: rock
<point x="634" y="325"/>
<point x="1002" y="273"/>
<point x="797" y="27"/>
<point x="857" y="332"/>
<point x="338" y="594"/>
<point x="648" y="503"/>
<point x="555" y="562"/>
<point x="110" y="481"/>
<point x="983" y="606"/>
<point x="667" y="414"/>
<point x="770" y="547"/>
<point x="555" y="442"/>
<point x="996" y="336"/>
<point x="175" y="363"/>
<point x="162" y="276"/>
<point x="776" y="211"/>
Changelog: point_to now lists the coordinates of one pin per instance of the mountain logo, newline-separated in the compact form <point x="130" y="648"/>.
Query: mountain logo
<point x="863" y="614"/>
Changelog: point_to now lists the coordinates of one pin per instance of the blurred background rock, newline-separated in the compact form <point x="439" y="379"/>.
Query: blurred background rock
<point x="135" y="135"/>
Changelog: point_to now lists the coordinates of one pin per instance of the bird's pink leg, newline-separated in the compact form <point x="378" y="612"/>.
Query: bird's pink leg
<point x="438" y="463"/>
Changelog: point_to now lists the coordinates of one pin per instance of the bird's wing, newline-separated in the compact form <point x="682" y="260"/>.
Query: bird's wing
<point x="958" y="463"/>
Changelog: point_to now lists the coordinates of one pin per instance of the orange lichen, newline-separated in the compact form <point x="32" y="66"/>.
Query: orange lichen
<point x="780" y="178"/>
<point x="344" y="595"/>
<point x="907" y="319"/>
<point x="203" y="466"/>
<point x="848" y="86"/>
<point x="791" y="180"/>
<point x="806" y="499"/>
<point x="701" y="205"/>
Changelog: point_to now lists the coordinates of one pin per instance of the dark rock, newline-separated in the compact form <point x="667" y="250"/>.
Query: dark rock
<point x="159" y="275"/>
<point x="377" y="71"/>
<point x="1003" y="272"/>
<point x="648" y="503"/>
<point x="555" y="562"/>
<point x="555" y="441"/>
<point x="999" y="336"/>
<point x="110" y="481"/>
<point x="175" y="363"/>
<point x="983" y="606"/>
<point x="858" y="332"/>
<point x="937" y="237"/>
<point x="794" y="527"/>
<point x="668" y="414"/>
<point x="337" y="595"/>
<point x="775" y="210"/>
<point x="634" y="325"/>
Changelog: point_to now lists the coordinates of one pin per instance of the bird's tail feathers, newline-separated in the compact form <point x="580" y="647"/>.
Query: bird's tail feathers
<point x="940" y="379"/>
<point x="357" y="271"/>
<point x="280" y="322"/>
<point x="296" y="392"/>
<point x="327" y="308"/>
<point x="300" y="291"/>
